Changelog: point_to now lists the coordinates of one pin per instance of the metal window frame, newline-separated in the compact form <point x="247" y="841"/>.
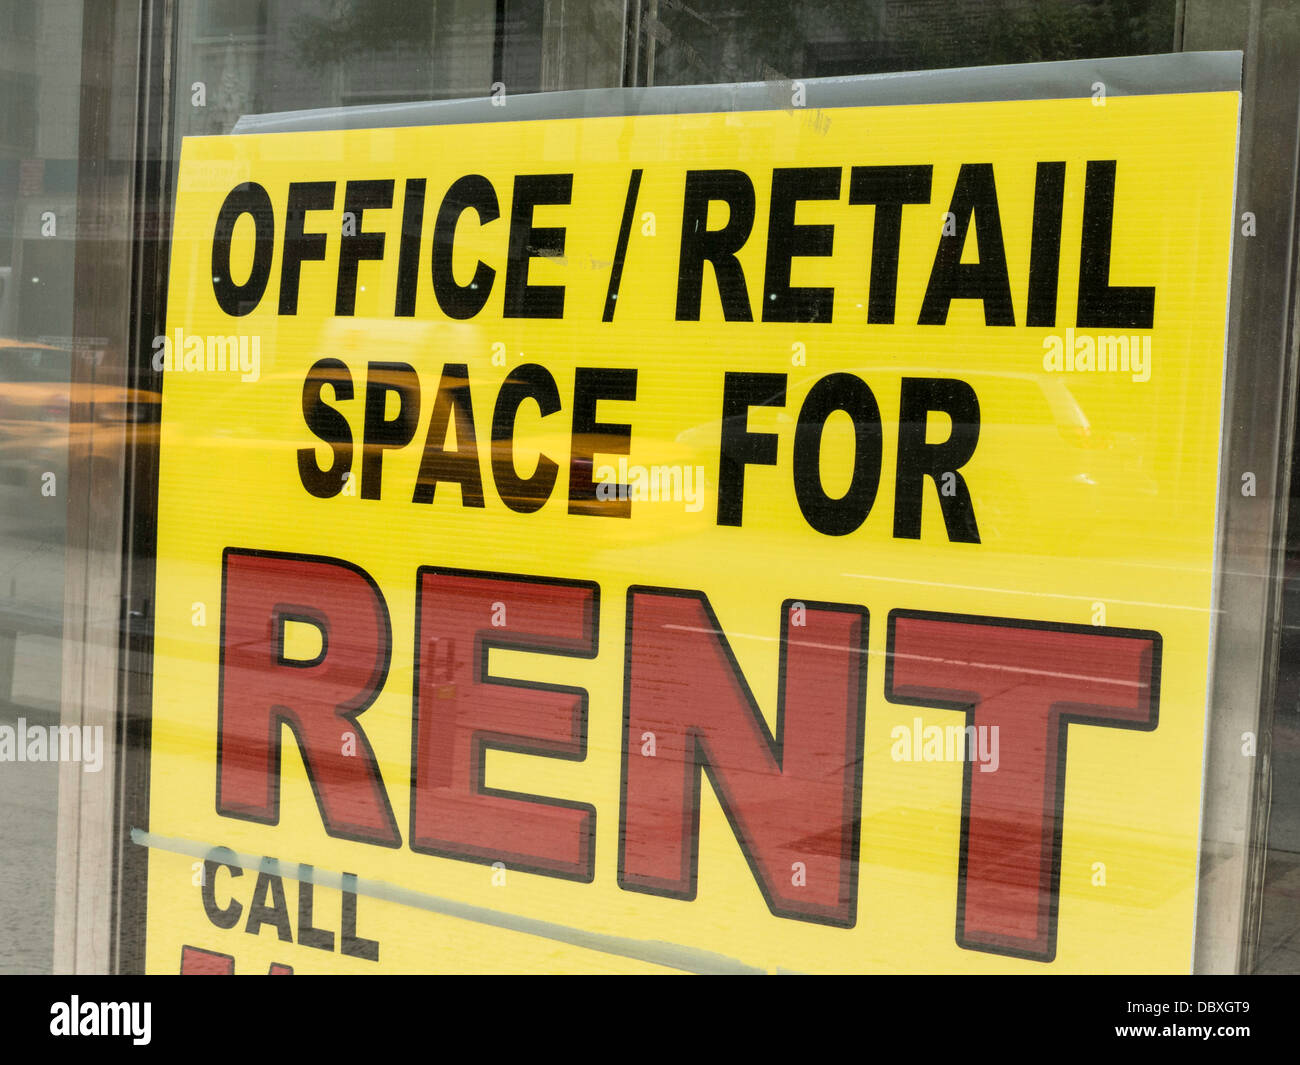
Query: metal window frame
<point x="1259" y="438"/>
<point x="125" y="94"/>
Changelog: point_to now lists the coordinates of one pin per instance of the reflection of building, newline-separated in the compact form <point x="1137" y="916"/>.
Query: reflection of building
<point x="39" y="57"/>
<point x="17" y="122"/>
<point x="251" y="56"/>
<point x="722" y="40"/>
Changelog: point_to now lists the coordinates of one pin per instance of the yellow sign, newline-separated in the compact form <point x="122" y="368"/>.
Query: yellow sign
<point x="761" y="541"/>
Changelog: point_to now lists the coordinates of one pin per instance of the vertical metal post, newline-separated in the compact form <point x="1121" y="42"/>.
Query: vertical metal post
<point x="1258" y="430"/>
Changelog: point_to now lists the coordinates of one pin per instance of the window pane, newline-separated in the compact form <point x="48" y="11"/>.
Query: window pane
<point x="40" y="72"/>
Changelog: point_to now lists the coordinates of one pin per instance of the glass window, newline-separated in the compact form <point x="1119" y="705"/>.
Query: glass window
<point x="96" y="104"/>
<point x="40" y="81"/>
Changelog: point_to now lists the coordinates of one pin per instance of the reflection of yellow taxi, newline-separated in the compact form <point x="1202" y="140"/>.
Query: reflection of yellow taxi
<point x="34" y="387"/>
<point x="37" y="434"/>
